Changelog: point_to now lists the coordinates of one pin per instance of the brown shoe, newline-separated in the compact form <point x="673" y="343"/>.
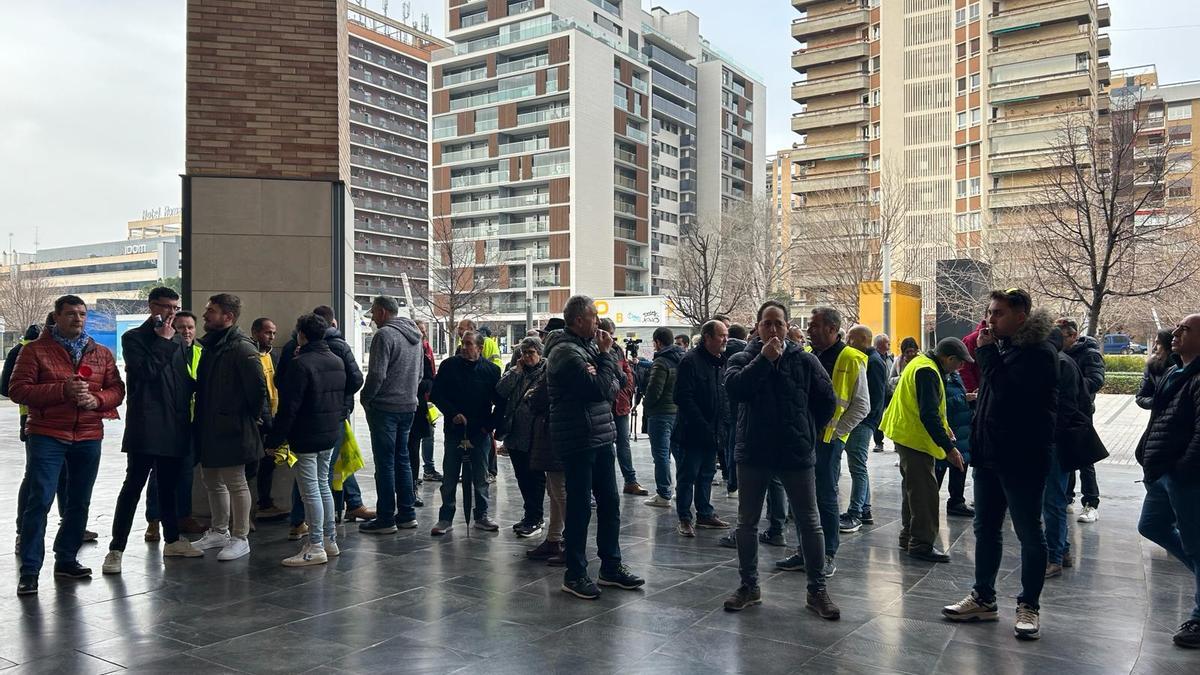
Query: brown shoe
<point x="361" y="513"/>
<point x="190" y="525"/>
<point x="685" y="529"/>
<point x="820" y="603"/>
<point x="1067" y="561"/>
<point x="1053" y="570"/>
<point x="152" y="533"/>
<point x="636" y="489"/>
<point x="711" y="523"/>
<point x="545" y="551"/>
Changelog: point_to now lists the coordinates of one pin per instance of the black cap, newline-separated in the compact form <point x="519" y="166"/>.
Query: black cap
<point x="952" y="346"/>
<point x="554" y="324"/>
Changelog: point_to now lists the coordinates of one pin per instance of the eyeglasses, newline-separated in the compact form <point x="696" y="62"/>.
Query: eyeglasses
<point x="166" y="305"/>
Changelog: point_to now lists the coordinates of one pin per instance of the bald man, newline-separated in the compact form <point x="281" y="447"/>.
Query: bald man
<point x="858" y="512"/>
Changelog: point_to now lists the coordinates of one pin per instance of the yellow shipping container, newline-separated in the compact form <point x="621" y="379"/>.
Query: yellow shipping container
<point x="906" y="310"/>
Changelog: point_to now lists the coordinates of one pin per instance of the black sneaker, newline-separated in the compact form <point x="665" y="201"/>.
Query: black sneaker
<point x="867" y="518"/>
<point x="819" y="602"/>
<point x="742" y="598"/>
<point x="848" y="524"/>
<point x="622" y="578"/>
<point x="526" y="530"/>
<point x="928" y="554"/>
<point x="728" y="541"/>
<point x="582" y="587"/>
<point x="377" y="527"/>
<point x="771" y="539"/>
<point x="878" y="448"/>
<point x="793" y="563"/>
<point x="432" y="476"/>
<point x="1187" y="636"/>
<point x="72" y="570"/>
<point x="28" y="585"/>
<point x="418" y="503"/>
<point x="960" y="509"/>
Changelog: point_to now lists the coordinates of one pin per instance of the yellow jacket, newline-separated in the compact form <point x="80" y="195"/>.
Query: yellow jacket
<point x="902" y="419"/>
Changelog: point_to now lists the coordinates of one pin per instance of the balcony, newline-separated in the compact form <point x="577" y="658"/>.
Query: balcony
<point x="627" y="208"/>
<point x="464" y="155"/>
<point x="519" y="254"/>
<point x="625" y="232"/>
<point x="637" y="261"/>
<point x="1012" y="198"/>
<point x="1104" y="46"/>
<point x="840" y="84"/>
<point x="1016" y="162"/>
<point x="803" y="59"/>
<point x="662" y="105"/>
<point x="815" y="119"/>
<point x="463" y="77"/>
<point x="518" y="147"/>
<point x="1033" y="50"/>
<point x="543" y="116"/>
<point x="673" y="63"/>
<point x="519" y="65"/>
<point x="478" y="179"/>
<point x="607" y="6"/>
<point x="1078" y="83"/>
<point x="824" y="23"/>
<point x="632" y="286"/>
<point x="828" y="151"/>
<point x="396" y="208"/>
<point x="1104" y="16"/>
<point x="548" y="170"/>
<point x="493" y="230"/>
<point x="832" y="181"/>
<point x="673" y="86"/>
<point x="625" y="156"/>
<point x="1055" y="11"/>
<point x="1103" y="74"/>
<point x="524" y="201"/>
<point x="625" y="181"/>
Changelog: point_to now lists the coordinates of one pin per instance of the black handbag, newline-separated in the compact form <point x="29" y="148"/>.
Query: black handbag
<point x="1080" y="446"/>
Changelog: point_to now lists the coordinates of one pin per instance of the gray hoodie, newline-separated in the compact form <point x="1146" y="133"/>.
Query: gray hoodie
<point x="395" y="369"/>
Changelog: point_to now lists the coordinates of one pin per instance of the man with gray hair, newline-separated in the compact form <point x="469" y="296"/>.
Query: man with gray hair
<point x="389" y="397"/>
<point x="858" y="513"/>
<point x="584" y="379"/>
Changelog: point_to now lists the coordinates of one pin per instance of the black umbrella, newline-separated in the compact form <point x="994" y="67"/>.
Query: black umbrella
<point x="468" y="485"/>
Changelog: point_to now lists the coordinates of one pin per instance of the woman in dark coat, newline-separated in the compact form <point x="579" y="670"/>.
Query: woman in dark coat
<point x="1160" y="361"/>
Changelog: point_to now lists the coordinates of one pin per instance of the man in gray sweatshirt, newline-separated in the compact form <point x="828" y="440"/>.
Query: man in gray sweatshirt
<point x="389" y="398"/>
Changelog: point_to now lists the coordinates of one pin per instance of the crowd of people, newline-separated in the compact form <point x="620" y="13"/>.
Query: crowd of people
<point x="770" y="407"/>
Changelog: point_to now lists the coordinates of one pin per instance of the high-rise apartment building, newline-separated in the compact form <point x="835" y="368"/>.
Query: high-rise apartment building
<point x="958" y="103"/>
<point x="389" y="153"/>
<point x="589" y="133"/>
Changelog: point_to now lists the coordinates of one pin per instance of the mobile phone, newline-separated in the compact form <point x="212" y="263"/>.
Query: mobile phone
<point x="158" y="321"/>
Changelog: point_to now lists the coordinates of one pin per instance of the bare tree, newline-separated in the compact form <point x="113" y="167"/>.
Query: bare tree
<point x="26" y="296"/>
<point x="1105" y="222"/>
<point x="462" y="273"/>
<point x="761" y="255"/>
<point x="704" y="282"/>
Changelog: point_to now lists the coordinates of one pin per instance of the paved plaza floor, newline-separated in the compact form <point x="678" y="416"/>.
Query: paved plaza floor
<point x="410" y="603"/>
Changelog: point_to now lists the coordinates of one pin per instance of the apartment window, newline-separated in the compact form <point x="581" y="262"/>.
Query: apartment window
<point x="961" y="52"/>
<point x="960" y="155"/>
<point x="875" y="32"/>
<point x="976" y="117"/>
<point x="968" y="222"/>
<point x="975" y="82"/>
<point x="875" y="163"/>
<point x="960" y="17"/>
<point x="973" y="12"/>
<point x="604" y="23"/>
<point x="552" y="80"/>
<point x="1179" y="111"/>
<point x="974" y="46"/>
<point x="962" y="86"/>
<point x="875" y="130"/>
<point x="973" y="186"/>
<point x="961" y="120"/>
<point x="1181" y="191"/>
<point x="875" y="97"/>
<point x="874" y="64"/>
<point x="1181" y="136"/>
<point x="487" y="119"/>
<point x="444" y="127"/>
<point x="960" y="189"/>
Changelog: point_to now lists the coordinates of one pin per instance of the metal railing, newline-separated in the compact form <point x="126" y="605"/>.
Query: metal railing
<point x="548" y="115"/>
<point x="531" y="145"/>
<point x="522" y="64"/>
<point x="464" y="76"/>
<point x="461" y="155"/>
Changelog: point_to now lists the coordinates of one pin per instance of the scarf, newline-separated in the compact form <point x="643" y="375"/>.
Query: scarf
<point x="74" y="346"/>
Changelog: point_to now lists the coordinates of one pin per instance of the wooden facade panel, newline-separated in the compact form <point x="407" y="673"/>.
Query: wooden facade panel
<point x="455" y="19"/>
<point x="620" y="251"/>
<point x="514" y="166"/>
<point x="560" y="190"/>
<point x="540" y="80"/>
<point x="641" y="206"/>
<point x="643" y="154"/>
<point x="626" y="71"/>
<point x="497" y="9"/>
<point x="618" y="278"/>
<point x="526" y="167"/>
<point x="466" y="122"/>
<point x="558" y="298"/>
<point x="441" y="206"/>
<point x="559" y="49"/>
<point x="643" y="180"/>
<point x="441" y="178"/>
<point x="441" y="101"/>
<point x="620" y="120"/>
<point x="643" y="231"/>
<point x="491" y="65"/>
<point x="493" y="145"/>
<point x="564" y="78"/>
<point x="560" y="246"/>
<point x="560" y="134"/>
<point x="507" y="115"/>
<point x="645" y="103"/>
<point x="435" y="154"/>
<point x="560" y="218"/>
<point x="503" y="276"/>
<point x="480" y="252"/>
<point x="437" y="77"/>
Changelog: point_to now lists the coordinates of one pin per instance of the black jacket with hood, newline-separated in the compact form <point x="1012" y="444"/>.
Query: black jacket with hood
<point x="311" y="401"/>
<point x="231" y="400"/>
<point x="1015" y="415"/>
<point x="700" y="400"/>
<point x="782" y="406"/>
<point x="581" y="403"/>
<point x="1087" y="355"/>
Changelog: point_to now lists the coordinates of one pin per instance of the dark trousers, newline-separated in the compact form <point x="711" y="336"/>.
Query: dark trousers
<point x="452" y="465"/>
<point x="1019" y="496"/>
<point x="532" y="484"/>
<point x="1090" y="488"/>
<point x="801" y="488"/>
<point x="731" y="483"/>
<point x="389" y="448"/>
<point x="414" y="457"/>
<point x="958" y="482"/>
<point x="695" y="468"/>
<point x="263" y="480"/>
<point x="23" y="491"/>
<point x="776" y="507"/>
<point x="592" y="473"/>
<point x="137" y="472"/>
<point x="878" y="435"/>
<point x="47" y="457"/>
<point x="1171" y="518"/>
<point x="183" y="491"/>
<point x="919" y="522"/>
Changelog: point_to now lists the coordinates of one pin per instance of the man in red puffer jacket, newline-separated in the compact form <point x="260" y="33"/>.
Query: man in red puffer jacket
<point x="70" y="385"/>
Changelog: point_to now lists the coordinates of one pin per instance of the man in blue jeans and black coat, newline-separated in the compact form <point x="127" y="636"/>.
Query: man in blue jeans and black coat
<point x="584" y="378"/>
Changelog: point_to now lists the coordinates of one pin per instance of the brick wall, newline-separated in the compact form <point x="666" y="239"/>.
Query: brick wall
<point x="267" y="89"/>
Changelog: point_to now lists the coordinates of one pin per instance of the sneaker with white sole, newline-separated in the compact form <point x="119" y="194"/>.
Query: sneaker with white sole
<point x="442" y="527"/>
<point x="212" y="539"/>
<point x="331" y="549"/>
<point x="1028" y="625"/>
<point x="659" y="501"/>
<point x="238" y="547"/>
<point x="182" y="548"/>
<point x="971" y="608"/>
<point x="308" y="555"/>
<point x="112" y="563"/>
<point x="1089" y="514"/>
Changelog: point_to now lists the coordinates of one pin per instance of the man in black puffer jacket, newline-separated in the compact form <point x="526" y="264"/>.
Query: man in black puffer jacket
<point x="310" y="419"/>
<point x="1085" y="351"/>
<point x="700" y="428"/>
<point x="785" y="396"/>
<point x="584" y="379"/>
<point x="737" y="342"/>
<point x="1011" y="442"/>
<point x="1169" y="453"/>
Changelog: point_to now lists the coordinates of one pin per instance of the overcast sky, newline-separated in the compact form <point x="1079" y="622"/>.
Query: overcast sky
<point x="91" y="121"/>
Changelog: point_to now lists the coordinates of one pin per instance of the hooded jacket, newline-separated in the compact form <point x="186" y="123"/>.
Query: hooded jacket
<point x="1087" y="355"/>
<point x="1018" y="400"/>
<point x="159" y="389"/>
<point x="660" y="387"/>
<point x="311" y="401"/>
<point x="782" y="405"/>
<point x="39" y="381"/>
<point x="515" y="426"/>
<point x="581" y="403"/>
<point x="959" y="414"/>
<point x="1151" y="377"/>
<point x="700" y="399"/>
<point x="231" y="400"/>
<point x="394" y="373"/>
<point x="1171" y="443"/>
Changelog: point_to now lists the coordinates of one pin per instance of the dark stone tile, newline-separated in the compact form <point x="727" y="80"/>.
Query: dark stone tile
<point x="25" y="638"/>
<point x="424" y="604"/>
<point x="217" y="591"/>
<point x="208" y="627"/>
<point x="601" y="643"/>
<point x="733" y="652"/>
<point x="960" y="658"/>
<point x="789" y="621"/>
<point x="289" y="652"/>
<point x="651" y="617"/>
<point x="927" y="636"/>
<point x="318" y="597"/>
<point x="896" y="658"/>
<point x="1075" y="645"/>
<point x="183" y="664"/>
<point x="826" y="665"/>
<point x="133" y="649"/>
<point x="476" y="632"/>
<point x="406" y="655"/>
<point x="67" y="662"/>
<point x="661" y="664"/>
<point x="355" y="626"/>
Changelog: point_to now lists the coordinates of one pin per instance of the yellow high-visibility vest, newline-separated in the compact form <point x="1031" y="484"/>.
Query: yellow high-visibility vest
<point x="902" y="419"/>
<point x="268" y="367"/>
<point x="846" y="370"/>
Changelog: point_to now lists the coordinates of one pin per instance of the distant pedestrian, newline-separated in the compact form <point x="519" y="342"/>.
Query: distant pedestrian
<point x="1162" y="357"/>
<point x="1074" y="413"/>
<point x="700" y="428"/>
<point x="883" y="347"/>
<point x="658" y="405"/>
<point x="858" y="513"/>
<point x="515" y="429"/>
<point x="622" y="409"/>
<point x="1085" y="351"/>
<point x="263" y="332"/>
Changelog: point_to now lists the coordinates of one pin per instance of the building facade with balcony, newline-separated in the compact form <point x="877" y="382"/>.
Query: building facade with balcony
<point x="389" y="153"/>
<point x="960" y="102"/>
<point x="569" y="130"/>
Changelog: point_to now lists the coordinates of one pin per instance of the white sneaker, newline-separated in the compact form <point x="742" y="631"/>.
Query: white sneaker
<point x="112" y="562"/>
<point x="1070" y="508"/>
<point x="182" y="548"/>
<point x="1028" y="626"/>
<point x="308" y="555"/>
<point x="212" y="539"/>
<point x="238" y="547"/>
<point x="331" y="549"/>
<point x="1088" y="515"/>
<point x="658" y="500"/>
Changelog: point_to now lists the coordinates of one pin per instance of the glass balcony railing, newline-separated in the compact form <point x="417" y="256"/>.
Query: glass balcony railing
<point x="635" y="286"/>
<point x="610" y="7"/>
<point x="531" y="145"/>
<point x="519" y="254"/>
<point x="624" y="207"/>
<point x="671" y="61"/>
<point x="522" y="64"/>
<point x="535" y="28"/>
<point x="462" y="155"/>
<point x="625" y="181"/>
<point x="640" y="85"/>
<point x="621" y="102"/>
<point x="541" y="116"/>
<point x="625" y="232"/>
<point x="680" y="113"/>
<point x="552" y="170"/>
<point x="637" y="135"/>
<point x="473" y="19"/>
<point x="464" y="76"/>
<point x="522" y="201"/>
<point x="681" y="90"/>
<point x="626" y="156"/>
<point x="521" y="7"/>
<point x="489" y="178"/>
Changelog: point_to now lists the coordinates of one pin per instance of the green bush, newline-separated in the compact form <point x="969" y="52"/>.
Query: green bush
<point x="1121" y="383"/>
<point x="1124" y="363"/>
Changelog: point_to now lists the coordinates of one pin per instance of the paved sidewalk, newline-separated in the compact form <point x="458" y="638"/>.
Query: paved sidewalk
<point x="1120" y="423"/>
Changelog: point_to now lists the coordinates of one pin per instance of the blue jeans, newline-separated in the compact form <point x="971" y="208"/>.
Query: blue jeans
<point x="1171" y="518"/>
<point x="452" y="461"/>
<point x="348" y="498"/>
<point x="659" y="428"/>
<point x="624" y="454"/>
<point x="427" y="451"/>
<point x="694" y="471"/>
<point x="23" y="491"/>
<point x="1019" y="496"/>
<point x="389" y="447"/>
<point x="731" y="482"/>
<point x="858" y="446"/>
<point x="183" y="491"/>
<point x="1054" y="512"/>
<point x="590" y="473"/>
<point x="312" y="475"/>
<point x="829" y="470"/>
<point x="47" y="456"/>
